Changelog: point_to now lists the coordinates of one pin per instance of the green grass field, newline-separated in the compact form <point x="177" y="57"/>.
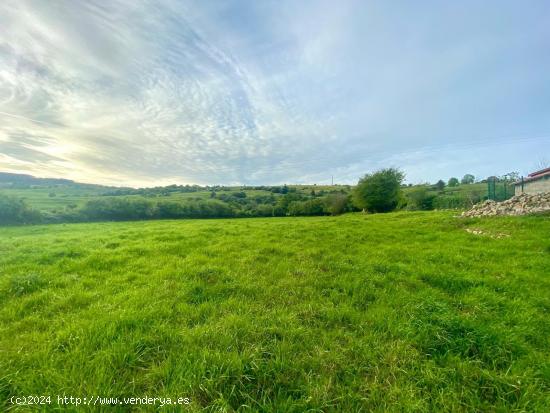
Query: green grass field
<point x="387" y="313"/>
<point x="51" y="199"/>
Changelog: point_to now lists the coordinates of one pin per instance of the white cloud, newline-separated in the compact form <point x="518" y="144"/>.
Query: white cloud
<point x="141" y="93"/>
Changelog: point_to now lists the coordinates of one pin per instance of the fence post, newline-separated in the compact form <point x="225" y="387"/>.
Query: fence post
<point x="522" y="184"/>
<point x="491" y="188"/>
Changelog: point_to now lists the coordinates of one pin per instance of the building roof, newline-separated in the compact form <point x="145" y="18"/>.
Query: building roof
<point x="544" y="171"/>
<point x="534" y="176"/>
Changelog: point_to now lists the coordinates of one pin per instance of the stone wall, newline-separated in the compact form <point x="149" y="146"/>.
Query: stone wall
<point x="537" y="186"/>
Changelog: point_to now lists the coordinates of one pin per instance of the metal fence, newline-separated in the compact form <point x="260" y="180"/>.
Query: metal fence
<point x="499" y="189"/>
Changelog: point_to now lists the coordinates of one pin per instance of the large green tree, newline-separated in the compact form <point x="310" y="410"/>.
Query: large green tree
<point x="379" y="191"/>
<point x="453" y="182"/>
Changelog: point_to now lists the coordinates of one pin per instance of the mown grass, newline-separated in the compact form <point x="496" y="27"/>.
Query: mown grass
<point x="397" y="312"/>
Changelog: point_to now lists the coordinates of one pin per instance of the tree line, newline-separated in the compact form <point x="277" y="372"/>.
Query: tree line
<point x="381" y="191"/>
<point x="124" y="208"/>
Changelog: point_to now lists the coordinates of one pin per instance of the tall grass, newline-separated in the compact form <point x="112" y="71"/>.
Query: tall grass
<point x="396" y="312"/>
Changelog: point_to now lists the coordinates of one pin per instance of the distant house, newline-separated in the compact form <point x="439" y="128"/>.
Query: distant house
<point x="535" y="183"/>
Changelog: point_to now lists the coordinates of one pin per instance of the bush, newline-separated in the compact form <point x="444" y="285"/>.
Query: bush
<point x="379" y="191"/>
<point x="336" y="204"/>
<point x="450" y="202"/>
<point x="126" y="209"/>
<point x="15" y="211"/>
<point x="311" y="207"/>
<point x="211" y="209"/>
<point x="118" y="209"/>
<point x="263" y="210"/>
<point x="171" y="210"/>
<point x="420" y="199"/>
<point x="283" y="203"/>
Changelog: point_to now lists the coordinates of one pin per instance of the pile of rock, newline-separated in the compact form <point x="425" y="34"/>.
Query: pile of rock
<point x="518" y="205"/>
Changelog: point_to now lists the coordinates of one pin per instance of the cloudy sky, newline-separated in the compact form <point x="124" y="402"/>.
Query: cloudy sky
<point x="263" y="92"/>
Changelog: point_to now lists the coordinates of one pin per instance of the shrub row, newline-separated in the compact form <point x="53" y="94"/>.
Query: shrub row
<point x="122" y="208"/>
<point x="16" y="211"/>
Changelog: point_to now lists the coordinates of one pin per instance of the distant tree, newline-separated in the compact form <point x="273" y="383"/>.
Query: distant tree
<point x="335" y="204"/>
<point x="420" y="198"/>
<point x="510" y="176"/>
<point x="379" y="191"/>
<point x="213" y="194"/>
<point x="468" y="179"/>
<point x="311" y="207"/>
<point x="283" y="203"/>
<point x="15" y="211"/>
<point x="453" y="182"/>
<point x="440" y="185"/>
<point x="264" y="210"/>
<point x="118" y="209"/>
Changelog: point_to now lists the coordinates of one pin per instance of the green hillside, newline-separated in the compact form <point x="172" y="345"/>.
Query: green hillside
<point x="26" y="200"/>
<point x="395" y="312"/>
